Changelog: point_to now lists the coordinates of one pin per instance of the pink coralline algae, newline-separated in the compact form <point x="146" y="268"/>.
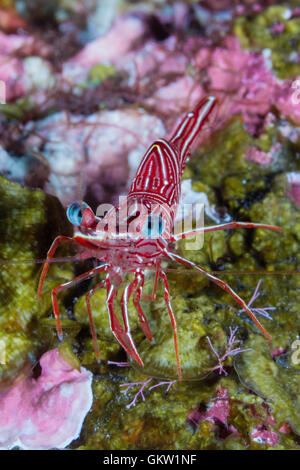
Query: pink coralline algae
<point x="242" y="81"/>
<point x="46" y="412"/>
<point x="293" y="179"/>
<point x="12" y="43"/>
<point x="285" y="428"/>
<point x="107" y="48"/>
<point x="256" y="155"/>
<point x="176" y="96"/>
<point x="20" y="70"/>
<point x="245" y="84"/>
<point x="217" y="411"/>
<point x="278" y="352"/>
<point x="12" y="68"/>
<point x="245" y="76"/>
<point x="264" y="435"/>
<point x="156" y="67"/>
<point x="277" y="28"/>
<point x="166" y="71"/>
<point x="288" y="100"/>
<point x="166" y="78"/>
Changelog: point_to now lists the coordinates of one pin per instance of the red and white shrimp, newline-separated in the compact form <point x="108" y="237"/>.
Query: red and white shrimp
<point x="139" y="233"/>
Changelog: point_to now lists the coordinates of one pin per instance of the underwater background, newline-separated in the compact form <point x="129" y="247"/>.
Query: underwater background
<point x="85" y="88"/>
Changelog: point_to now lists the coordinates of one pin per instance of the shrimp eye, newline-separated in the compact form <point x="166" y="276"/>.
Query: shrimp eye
<point x="153" y="227"/>
<point x="74" y="212"/>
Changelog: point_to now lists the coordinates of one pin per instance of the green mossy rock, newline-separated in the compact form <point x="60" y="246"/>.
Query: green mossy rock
<point x="256" y="32"/>
<point x="278" y="383"/>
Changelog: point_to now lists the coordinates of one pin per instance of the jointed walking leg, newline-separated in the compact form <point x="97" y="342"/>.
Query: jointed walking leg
<point x="58" y="241"/>
<point x="66" y="285"/>
<point x="221" y="284"/>
<point x="136" y="301"/>
<point x="123" y="336"/>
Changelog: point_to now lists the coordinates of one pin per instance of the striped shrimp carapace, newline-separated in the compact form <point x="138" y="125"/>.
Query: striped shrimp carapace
<point x="139" y="233"/>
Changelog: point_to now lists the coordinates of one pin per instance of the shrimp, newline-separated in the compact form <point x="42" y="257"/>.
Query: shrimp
<point x="139" y="233"/>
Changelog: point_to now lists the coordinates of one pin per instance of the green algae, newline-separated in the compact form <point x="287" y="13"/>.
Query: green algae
<point x="13" y="111"/>
<point x="256" y="33"/>
<point x="29" y="222"/>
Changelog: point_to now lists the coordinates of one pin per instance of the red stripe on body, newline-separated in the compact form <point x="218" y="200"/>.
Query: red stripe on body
<point x="158" y="177"/>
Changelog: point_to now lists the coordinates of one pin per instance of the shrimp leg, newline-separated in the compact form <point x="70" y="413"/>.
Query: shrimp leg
<point x="223" y="285"/>
<point x="229" y="225"/>
<point x="153" y="296"/>
<point x="123" y="336"/>
<point x="58" y="241"/>
<point x="66" y="285"/>
<point x="173" y="320"/>
<point x="136" y="301"/>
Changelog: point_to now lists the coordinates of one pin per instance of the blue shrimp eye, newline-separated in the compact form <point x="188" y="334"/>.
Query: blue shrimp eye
<point x="153" y="227"/>
<point x="74" y="212"/>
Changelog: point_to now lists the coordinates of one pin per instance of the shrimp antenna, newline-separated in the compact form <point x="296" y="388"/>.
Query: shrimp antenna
<point x="66" y="259"/>
<point x="80" y="186"/>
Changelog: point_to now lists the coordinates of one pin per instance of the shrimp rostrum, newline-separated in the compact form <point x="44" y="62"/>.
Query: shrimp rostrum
<point x="139" y="233"/>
